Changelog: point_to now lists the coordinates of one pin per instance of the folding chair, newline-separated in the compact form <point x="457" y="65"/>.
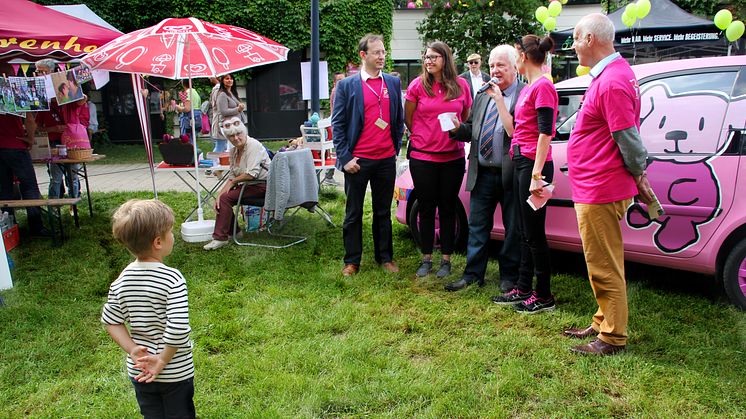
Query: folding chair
<point x="291" y="184"/>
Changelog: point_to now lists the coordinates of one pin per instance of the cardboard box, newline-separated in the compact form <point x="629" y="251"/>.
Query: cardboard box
<point x="11" y="238"/>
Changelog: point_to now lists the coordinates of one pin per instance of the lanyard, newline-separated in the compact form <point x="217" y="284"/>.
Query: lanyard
<point x="378" y="96"/>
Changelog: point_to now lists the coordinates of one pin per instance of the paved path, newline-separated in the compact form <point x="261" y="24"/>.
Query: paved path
<point x="133" y="177"/>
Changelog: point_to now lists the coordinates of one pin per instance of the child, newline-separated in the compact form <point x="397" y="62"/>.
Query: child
<point x="152" y="298"/>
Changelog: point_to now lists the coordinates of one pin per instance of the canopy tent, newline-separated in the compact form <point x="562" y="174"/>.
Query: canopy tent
<point x="666" y="32"/>
<point x="81" y="11"/>
<point x="30" y="31"/>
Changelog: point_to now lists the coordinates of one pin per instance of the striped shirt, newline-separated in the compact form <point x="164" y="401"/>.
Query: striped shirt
<point x="152" y="298"/>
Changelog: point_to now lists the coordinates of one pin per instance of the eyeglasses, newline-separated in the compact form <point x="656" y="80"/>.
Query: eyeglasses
<point x="430" y="57"/>
<point x="232" y="124"/>
<point x="379" y="53"/>
<point x="473" y="62"/>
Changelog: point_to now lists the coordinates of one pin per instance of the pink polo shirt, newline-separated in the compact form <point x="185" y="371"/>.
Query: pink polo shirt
<point x="375" y="143"/>
<point x="596" y="168"/>
<point x="426" y="134"/>
<point x="540" y="94"/>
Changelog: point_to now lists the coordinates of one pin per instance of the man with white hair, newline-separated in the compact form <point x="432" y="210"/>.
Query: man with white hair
<point x="490" y="175"/>
<point x="249" y="161"/>
<point x="606" y="161"/>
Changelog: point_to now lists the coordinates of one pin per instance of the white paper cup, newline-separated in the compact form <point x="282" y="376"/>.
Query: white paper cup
<point x="446" y="121"/>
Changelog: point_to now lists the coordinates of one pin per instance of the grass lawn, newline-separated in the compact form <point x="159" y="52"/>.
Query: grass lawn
<point x="279" y="333"/>
<point x="135" y="153"/>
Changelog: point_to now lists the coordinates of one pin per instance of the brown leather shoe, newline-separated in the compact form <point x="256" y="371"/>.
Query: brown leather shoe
<point x="350" y="269"/>
<point x="390" y="267"/>
<point x="580" y="333"/>
<point x="597" y="347"/>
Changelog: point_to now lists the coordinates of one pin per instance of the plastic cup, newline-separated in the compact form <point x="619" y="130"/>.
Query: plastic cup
<point x="446" y="121"/>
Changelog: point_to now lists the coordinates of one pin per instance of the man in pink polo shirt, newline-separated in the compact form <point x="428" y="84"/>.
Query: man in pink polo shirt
<point x="606" y="161"/>
<point x="367" y="127"/>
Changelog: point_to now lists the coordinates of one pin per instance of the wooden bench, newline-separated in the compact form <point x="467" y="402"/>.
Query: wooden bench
<point x="51" y="207"/>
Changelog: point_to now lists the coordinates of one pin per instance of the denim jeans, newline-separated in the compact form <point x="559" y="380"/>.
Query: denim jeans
<point x="487" y="193"/>
<point x="16" y="162"/>
<point x="56" y="174"/>
<point x="185" y="123"/>
<point x="534" y="246"/>
<point x="220" y="145"/>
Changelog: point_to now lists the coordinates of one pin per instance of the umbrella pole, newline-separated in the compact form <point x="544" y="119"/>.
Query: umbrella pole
<point x="200" y="214"/>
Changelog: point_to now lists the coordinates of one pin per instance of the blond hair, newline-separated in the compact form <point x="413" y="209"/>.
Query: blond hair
<point x="138" y="222"/>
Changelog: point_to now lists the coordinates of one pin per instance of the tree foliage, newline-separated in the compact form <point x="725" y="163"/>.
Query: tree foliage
<point x="469" y="26"/>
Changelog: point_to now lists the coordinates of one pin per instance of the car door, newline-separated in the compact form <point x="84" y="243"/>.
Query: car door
<point x="562" y="225"/>
<point x="683" y="126"/>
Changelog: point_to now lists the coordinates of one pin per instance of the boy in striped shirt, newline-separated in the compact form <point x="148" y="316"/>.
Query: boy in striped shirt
<point x="152" y="298"/>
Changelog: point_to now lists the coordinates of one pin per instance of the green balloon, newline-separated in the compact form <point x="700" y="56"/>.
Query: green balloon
<point x="631" y="10"/>
<point x="555" y="8"/>
<point x="643" y="8"/>
<point x="628" y="20"/>
<point x="722" y="19"/>
<point x="734" y="30"/>
<point x="550" y="23"/>
<point x="542" y="13"/>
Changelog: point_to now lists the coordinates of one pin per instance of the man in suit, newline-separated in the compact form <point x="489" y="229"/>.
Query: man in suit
<point x="475" y="76"/>
<point x="367" y="127"/>
<point x="490" y="174"/>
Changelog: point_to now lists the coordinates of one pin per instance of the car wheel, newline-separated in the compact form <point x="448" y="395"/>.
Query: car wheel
<point x="734" y="275"/>
<point x="462" y="226"/>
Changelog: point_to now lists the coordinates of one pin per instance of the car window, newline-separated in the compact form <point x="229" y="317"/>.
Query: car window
<point x="566" y="114"/>
<point x="682" y="116"/>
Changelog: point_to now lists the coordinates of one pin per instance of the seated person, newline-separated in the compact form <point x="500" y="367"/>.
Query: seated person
<point x="249" y="161"/>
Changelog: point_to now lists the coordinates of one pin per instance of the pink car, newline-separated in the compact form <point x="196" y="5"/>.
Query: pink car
<point x="693" y="123"/>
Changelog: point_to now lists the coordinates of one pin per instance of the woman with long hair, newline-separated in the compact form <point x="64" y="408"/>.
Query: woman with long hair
<point x="228" y="103"/>
<point x="535" y="117"/>
<point x="436" y="162"/>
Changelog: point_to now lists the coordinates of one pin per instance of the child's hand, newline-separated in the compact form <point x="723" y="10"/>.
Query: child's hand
<point x="151" y="366"/>
<point x="138" y="352"/>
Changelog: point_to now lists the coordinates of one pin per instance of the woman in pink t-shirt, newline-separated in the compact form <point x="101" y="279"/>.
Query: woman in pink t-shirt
<point x="535" y="116"/>
<point x="435" y="161"/>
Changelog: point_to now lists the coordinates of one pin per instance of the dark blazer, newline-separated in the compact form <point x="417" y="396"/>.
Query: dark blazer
<point x="470" y="129"/>
<point x="348" y="112"/>
<point x="466" y="76"/>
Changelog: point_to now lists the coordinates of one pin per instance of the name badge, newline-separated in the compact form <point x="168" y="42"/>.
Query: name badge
<point x="380" y="123"/>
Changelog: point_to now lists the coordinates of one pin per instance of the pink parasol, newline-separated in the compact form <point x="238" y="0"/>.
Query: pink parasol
<point x="183" y="48"/>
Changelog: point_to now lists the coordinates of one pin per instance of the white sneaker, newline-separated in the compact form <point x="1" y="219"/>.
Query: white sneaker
<point x="215" y="244"/>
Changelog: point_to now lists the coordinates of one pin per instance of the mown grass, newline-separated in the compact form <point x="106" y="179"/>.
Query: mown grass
<point x="282" y="334"/>
<point x="135" y="153"/>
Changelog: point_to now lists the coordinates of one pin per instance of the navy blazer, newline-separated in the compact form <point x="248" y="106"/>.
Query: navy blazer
<point x="348" y="112"/>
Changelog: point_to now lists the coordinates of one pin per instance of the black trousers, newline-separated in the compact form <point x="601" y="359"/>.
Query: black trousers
<point x="437" y="186"/>
<point x="166" y="400"/>
<point x="381" y="175"/>
<point x="534" y="246"/>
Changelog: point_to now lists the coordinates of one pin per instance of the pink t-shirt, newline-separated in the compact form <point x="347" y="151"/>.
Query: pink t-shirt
<point x="375" y="143"/>
<point x="596" y="168"/>
<point x="540" y="94"/>
<point x="426" y="134"/>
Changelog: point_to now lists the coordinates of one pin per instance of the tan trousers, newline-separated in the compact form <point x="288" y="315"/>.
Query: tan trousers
<point x="604" y="254"/>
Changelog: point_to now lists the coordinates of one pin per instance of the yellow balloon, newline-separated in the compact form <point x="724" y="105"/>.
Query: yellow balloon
<point x="555" y="8"/>
<point x="734" y="30"/>
<point x="550" y="23"/>
<point x="582" y="70"/>
<point x="722" y="19"/>
<point x="631" y="10"/>
<point x="542" y="13"/>
<point x="548" y="76"/>
<point x="643" y="8"/>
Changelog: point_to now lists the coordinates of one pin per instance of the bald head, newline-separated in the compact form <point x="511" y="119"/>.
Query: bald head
<point x="593" y="39"/>
<point x="598" y="25"/>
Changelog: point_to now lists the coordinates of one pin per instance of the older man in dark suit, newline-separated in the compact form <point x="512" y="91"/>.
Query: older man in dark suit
<point x="490" y="174"/>
<point x="367" y="127"/>
<point x="475" y="76"/>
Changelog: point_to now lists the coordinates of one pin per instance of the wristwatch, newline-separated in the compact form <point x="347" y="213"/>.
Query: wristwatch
<point x="537" y="176"/>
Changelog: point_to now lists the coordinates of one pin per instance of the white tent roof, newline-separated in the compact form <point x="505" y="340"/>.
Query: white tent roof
<point x="82" y="12"/>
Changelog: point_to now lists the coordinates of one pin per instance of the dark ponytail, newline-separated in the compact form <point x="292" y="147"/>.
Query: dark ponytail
<point x="535" y="48"/>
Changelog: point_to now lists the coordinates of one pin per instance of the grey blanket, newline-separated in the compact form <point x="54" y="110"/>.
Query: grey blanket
<point x="291" y="182"/>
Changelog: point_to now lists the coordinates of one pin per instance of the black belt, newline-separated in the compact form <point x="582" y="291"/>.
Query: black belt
<point x="491" y="169"/>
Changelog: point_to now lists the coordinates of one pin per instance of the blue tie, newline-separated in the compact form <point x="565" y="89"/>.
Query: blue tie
<point x="488" y="128"/>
